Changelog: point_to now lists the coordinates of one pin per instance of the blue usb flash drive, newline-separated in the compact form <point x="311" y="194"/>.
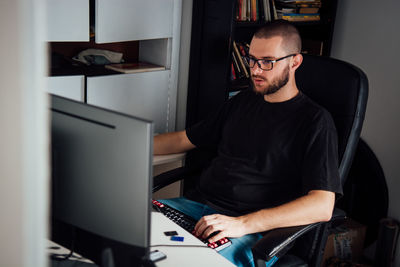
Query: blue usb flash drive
<point x="177" y="238"/>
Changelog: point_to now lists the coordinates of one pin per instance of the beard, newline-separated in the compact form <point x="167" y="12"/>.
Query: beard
<point x="273" y="86"/>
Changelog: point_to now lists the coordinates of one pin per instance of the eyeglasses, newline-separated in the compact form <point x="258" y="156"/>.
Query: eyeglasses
<point x="262" y="63"/>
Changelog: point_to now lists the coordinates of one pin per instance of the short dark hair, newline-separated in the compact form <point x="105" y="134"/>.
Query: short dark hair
<point x="286" y="30"/>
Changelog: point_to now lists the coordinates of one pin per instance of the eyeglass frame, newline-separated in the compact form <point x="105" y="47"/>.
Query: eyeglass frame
<point x="256" y="61"/>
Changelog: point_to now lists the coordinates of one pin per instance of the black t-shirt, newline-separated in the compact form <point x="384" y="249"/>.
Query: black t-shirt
<point x="268" y="153"/>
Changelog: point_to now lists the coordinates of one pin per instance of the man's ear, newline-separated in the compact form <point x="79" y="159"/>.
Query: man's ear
<point x="297" y="60"/>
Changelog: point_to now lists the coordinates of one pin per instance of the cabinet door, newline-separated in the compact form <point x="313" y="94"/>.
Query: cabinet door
<point x="67" y="20"/>
<point x="143" y="95"/>
<point x="127" y="20"/>
<point x="72" y="87"/>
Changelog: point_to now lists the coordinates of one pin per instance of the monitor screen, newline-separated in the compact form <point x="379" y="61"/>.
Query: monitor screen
<point x="101" y="172"/>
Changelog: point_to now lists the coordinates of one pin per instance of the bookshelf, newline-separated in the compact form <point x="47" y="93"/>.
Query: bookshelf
<point x="214" y="29"/>
<point x="143" y="31"/>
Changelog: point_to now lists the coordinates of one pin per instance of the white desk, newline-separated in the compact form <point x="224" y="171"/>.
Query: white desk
<point x="181" y="256"/>
<point x="54" y="248"/>
<point x="163" y="159"/>
<point x="176" y="256"/>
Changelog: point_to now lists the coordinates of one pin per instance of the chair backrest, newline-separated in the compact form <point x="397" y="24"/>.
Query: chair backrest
<point x="342" y="89"/>
<point x="338" y="86"/>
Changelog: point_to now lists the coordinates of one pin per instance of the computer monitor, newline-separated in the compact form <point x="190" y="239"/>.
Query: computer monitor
<point x="101" y="178"/>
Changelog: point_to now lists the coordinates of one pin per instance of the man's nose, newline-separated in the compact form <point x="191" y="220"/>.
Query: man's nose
<point x="256" y="69"/>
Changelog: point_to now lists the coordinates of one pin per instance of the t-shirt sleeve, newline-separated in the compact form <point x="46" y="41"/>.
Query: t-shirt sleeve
<point x="207" y="133"/>
<point x="320" y="163"/>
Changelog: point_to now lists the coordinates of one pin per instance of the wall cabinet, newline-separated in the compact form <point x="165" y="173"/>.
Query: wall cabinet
<point x="141" y="94"/>
<point x="115" y="21"/>
<point x="68" y="21"/>
<point x="126" y="20"/>
<point x="154" y="25"/>
<point x="72" y="87"/>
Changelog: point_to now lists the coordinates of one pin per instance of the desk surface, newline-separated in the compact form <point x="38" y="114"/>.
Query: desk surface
<point x="181" y="256"/>
<point x="161" y="159"/>
<point x="176" y="256"/>
<point x="62" y="252"/>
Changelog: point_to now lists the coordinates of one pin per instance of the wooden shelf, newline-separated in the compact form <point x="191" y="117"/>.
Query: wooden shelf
<point x="88" y="71"/>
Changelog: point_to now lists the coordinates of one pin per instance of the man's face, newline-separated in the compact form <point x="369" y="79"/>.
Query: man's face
<point x="269" y="82"/>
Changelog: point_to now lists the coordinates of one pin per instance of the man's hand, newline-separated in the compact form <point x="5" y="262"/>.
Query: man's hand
<point x="316" y="206"/>
<point x="226" y="225"/>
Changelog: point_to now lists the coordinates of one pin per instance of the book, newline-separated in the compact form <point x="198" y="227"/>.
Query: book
<point x="243" y="4"/>
<point x="239" y="10"/>
<point x="299" y="2"/>
<point x="308" y="10"/>
<point x="238" y="72"/>
<point x="301" y="17"/>
<point x="233" y="74"/>
<point x="240" y="60"/>
<point x="267" y="12"/>
<point x="134" y="67"/>
<point x="242" y="49"/>
<point x="248" y="10"/>
<point x="274" y="13"/>
<point x="253" y="10"/>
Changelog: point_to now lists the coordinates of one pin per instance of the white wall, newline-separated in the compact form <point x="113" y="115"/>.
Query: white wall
<point x="23" y="135"/>
<point x="367" y="34"/>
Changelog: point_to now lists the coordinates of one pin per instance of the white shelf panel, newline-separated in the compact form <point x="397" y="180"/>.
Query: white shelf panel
<point x="72" y="87"/>
<point x="127" y="20"/>
<point x="67" y="20"/>
<point x="143" y="95"/>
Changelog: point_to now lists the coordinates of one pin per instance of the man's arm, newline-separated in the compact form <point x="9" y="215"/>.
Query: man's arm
<point x="316" y="206"/>
<point x="170" y="143"/>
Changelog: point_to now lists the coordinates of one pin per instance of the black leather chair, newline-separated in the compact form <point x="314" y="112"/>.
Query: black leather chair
<point x="342" y="89"/>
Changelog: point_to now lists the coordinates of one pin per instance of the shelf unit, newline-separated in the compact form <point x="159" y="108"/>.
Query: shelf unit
<point x="214" y="28"/>
<point x="142" y="30"/>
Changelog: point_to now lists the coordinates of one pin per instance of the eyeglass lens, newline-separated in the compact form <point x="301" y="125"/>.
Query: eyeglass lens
<point x="263" y="64"/>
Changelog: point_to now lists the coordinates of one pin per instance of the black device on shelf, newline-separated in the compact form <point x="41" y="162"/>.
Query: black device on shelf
<point x="188" y="223"/>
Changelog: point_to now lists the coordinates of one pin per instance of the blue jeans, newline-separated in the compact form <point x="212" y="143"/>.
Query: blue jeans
<point x="239" y="253"/>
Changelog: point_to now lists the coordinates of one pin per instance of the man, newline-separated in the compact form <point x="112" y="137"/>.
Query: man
<point x="277" y="163"/>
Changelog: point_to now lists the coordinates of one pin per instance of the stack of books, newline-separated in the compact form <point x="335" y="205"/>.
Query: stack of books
<point x="305" y="10"/>
<point x="239" y="70"/>
<point x="255" y="10"/>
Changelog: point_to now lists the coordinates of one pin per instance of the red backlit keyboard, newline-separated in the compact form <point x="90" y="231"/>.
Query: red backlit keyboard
<point x="188" y="223"/>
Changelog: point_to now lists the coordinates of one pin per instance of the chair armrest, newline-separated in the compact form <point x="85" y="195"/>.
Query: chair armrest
<point x="338" y="214"/>
<point x="277" y="242"/>
<point x="167" y="178"/>
<point x="173" y="175"/>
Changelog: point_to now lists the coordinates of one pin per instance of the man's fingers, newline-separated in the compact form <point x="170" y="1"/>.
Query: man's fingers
<point x="209" y="230"/>
<point x="217" y="237"/>
<point x="200" y="226"/>
<point x="199" y="222"/>
<point x="203" y="224"/>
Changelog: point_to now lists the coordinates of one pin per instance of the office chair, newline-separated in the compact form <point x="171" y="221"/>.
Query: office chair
<point x="342" y="89"/>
